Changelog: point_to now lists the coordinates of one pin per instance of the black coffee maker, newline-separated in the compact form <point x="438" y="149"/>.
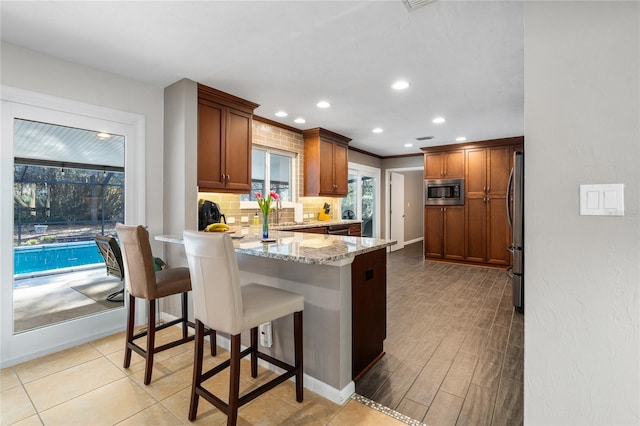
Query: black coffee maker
<point x="208" y="213"/>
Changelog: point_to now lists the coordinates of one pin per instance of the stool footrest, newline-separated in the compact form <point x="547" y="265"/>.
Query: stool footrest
<point x="290" y="371"/>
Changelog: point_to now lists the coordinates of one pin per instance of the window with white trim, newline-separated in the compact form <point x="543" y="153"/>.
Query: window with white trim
<point x="271" y="170"/>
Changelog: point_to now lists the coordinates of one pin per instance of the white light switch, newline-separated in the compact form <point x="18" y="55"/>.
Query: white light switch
<point x="593" y="199"/>
<point x="602" y="200"/>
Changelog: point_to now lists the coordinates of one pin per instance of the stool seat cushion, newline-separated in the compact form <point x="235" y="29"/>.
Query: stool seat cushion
<point x="172" y="281"/>
<point x="262" y="304"/>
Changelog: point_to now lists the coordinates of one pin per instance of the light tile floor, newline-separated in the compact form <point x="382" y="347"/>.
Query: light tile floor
<point x="87" y="385"/>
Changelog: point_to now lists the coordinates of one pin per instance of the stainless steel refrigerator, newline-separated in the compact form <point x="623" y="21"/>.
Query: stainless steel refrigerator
<point x="515" y="214"/>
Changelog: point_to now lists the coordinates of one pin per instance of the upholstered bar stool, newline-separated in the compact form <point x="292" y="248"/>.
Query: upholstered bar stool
<point x="145" y="283"/>
<point x="221" y="303"/>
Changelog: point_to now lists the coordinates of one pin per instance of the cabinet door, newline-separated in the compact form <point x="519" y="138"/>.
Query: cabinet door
<point x="340" y="168"/>
<point x="476" y="227"/>
<point x="238" y="151"/>
<point x="453" y="164"/>
<point x="454" y="232"/>
<point x="355" y="229"/>
<point x="476" y="218"/>
<point x="498" y="231"/>
<point x="433" y="231"/>
<point x="498" y="168"/>
<point x="211" y="122"/>
<point x="326" y="168"/>
<point x="433" y="166"/>
<point x="368" y="309"/>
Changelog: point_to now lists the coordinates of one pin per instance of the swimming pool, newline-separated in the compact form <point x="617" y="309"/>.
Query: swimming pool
<point x="47" y="257"/>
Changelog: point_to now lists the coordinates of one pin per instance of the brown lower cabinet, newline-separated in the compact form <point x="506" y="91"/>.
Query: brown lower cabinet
<point x="314" y="230"/>
<point x="368" y="310"/>
<point x="444" y="232"/>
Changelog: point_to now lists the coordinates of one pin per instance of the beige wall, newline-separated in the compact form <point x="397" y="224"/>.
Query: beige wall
<point x="582" y="273"/>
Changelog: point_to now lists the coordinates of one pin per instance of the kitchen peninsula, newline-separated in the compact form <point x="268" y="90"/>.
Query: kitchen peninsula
<point x="343" y="281"/>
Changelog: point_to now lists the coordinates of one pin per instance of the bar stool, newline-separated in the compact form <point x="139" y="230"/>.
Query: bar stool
<point x="221" y="303"/>
<point x="145" y="283"/>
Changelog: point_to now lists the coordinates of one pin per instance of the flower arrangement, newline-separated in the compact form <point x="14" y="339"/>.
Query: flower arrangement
<point x="265" y="207"/>
<point x="265" y="203"/>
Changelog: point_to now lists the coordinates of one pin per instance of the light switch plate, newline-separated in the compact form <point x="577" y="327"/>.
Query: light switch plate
<point x="602" y="200"/>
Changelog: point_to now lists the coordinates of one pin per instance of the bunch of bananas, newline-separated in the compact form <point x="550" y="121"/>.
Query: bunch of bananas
<point x="217" y="227"/>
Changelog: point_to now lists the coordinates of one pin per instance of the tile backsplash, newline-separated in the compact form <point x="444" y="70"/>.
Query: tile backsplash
<point x="267" y="135"/>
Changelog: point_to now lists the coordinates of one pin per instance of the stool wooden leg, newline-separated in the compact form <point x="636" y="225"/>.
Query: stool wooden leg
<point x="254" y="349"/>
<point x="185" y="316"/>
<point x="234" y="381"/>
<point x="197" y="370"/>
<point x="130" y="318"/>
<point x="212" y="341"/>
<point x="297" y="331"/>
<point x="151" y="341"/>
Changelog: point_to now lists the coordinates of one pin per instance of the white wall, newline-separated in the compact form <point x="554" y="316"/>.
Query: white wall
<point x="33" y="71"/>
<point x="582" y="305"/>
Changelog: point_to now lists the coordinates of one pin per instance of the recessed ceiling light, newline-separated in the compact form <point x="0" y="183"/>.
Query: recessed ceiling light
<point x="408" y="145"/>
<point x="300" y="120"/>
<point x="377" y="130"/>
<point x="400" y="85"/>
<point x="323" y="104"/>
<point x="439" y="120"/>
<point x="461" y="139"/>
<point x="281" y="114"/>
<point x="103" y="135"/>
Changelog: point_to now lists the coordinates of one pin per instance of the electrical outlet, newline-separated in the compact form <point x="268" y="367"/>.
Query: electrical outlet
<point x="231" y="221"/>
<point x="244" y="219"/>
<point x="266" y="338"/>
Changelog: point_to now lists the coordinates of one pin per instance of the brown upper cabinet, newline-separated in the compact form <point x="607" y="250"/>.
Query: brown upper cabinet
<point x="326" y="163"/>
<point x="224" y="141"/>
<point x="440" y="165"/>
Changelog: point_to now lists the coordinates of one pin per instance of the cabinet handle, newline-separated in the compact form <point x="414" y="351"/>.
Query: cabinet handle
<point x="488" y="189"/>
<point x="222" y="177"/>
<point x="484" y="189"/>
<point x="228" y="178"/>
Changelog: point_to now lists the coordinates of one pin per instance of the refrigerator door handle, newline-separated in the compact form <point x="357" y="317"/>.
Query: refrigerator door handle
<point x="508" y="206"/>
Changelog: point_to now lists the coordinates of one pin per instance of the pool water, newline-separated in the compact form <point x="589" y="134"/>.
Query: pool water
<point x="55" y="256"/>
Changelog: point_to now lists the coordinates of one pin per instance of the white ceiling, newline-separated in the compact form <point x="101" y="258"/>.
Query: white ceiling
<point x="464" y="60"/>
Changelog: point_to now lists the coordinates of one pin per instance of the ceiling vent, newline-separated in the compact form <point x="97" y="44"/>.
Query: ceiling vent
<point x="414" y="4"/>
<point x="424" y="138"/>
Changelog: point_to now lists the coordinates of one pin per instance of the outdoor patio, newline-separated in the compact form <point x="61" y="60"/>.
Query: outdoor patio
<point x="46" y="300"/>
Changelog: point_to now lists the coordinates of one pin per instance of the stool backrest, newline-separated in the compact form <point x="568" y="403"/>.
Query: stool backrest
<point x="215" y="281"/>
<point x="138" y="261"/>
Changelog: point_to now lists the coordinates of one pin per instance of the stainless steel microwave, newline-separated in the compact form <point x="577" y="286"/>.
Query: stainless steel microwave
<point x="444" y="192"/>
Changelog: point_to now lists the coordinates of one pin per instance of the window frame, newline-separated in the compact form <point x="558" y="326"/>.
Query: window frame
<point x="294" y="174"/>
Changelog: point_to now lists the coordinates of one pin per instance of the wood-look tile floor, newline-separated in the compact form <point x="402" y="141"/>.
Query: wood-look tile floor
<point x="454" y="347"/>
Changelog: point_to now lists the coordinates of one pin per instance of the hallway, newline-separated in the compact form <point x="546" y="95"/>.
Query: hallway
<point x="454" y="347"/>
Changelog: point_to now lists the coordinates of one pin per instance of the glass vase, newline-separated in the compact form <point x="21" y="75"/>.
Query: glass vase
<point x="265" y="225"/>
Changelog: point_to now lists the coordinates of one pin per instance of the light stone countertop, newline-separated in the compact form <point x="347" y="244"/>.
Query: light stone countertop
<point x="298" y="246"/>
<point x="292" y="226"/>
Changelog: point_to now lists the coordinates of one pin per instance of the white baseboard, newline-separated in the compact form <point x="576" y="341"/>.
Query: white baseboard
<point x="338" y="396"/>
<point x="415" y="240"/>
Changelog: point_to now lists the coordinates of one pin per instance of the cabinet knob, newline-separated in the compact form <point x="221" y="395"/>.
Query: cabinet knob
<point x="484" y="189"/>
<point x="228" y="178"/>
<point x="488" y="188"/>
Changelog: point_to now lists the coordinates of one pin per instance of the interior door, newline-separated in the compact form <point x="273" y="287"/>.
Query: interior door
<point x="396" y="189"/>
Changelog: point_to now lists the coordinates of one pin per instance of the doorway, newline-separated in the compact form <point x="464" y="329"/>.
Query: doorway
<point x="35" y="176"/>
<point x="361" y="202"/>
